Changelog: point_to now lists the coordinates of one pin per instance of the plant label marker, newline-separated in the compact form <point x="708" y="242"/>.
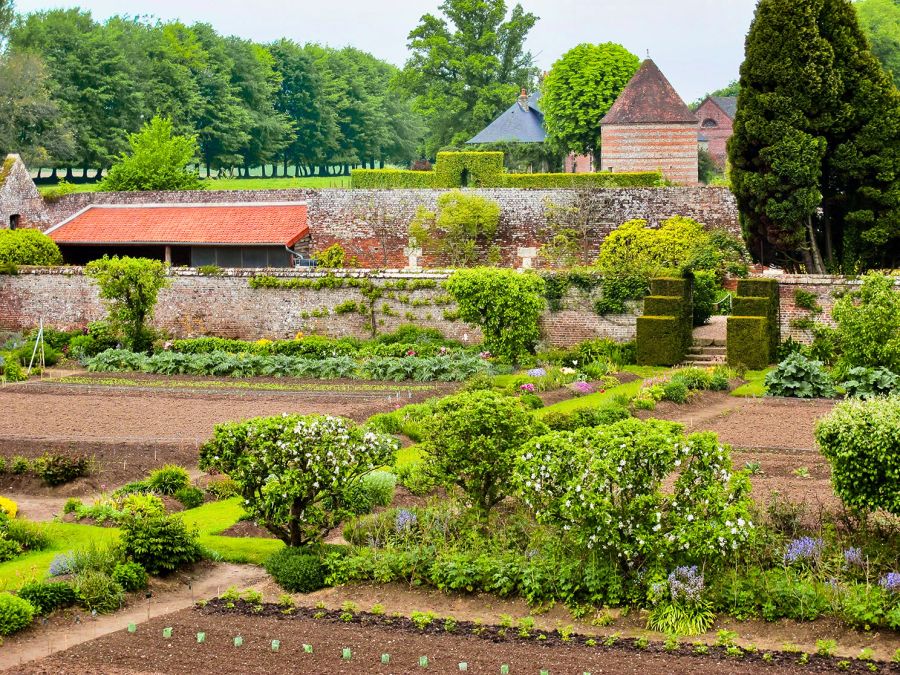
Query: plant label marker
<point x="276" y="645"/>
<point x="346" y="654"/>
<point x="132" y="628"/>
<point x="463" y="667"/>
<point x="504" y="669"/>
<point x="167" y="633"/>
<point x="201" y="638"/>
<point x="238" y="641"/>
<point x="423" y="662"/>
<point x="307" y="649"/>
<point x="545" y="672"/>
<point x="385" y="658"/>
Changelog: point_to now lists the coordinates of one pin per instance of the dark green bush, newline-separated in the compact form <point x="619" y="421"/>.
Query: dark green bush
<point x="47" y="596"/>
<point x="297" y="570"/>
<point x="131" y="575"/>
<point x="169" y="479"/>
<point x="747" y="342"/>
<point x="373" y="179"/>
<point x="799" y="377"/>
<point x="706" y="290"/>
<point x="190" y="497"/>
<point x="15" y="614"/>
<point x="675" y="391"/>
<point x="60" y="469"/>
<point x="97" y="591"/>
<point x="659" y="341"/>
<point x="374" y="489"/>
<point x="161" y="544"/>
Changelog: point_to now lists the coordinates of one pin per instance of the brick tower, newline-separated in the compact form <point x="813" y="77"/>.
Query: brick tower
<point x="649" y="128"/>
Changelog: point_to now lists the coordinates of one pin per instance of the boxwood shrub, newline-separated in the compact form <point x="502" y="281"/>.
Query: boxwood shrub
<point x="297" y="570"/>
<point x="47" y="596"/>
<point x="15" y="613"/>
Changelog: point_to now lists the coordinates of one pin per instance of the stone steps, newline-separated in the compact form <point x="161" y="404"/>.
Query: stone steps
<point x="707" y="352"/>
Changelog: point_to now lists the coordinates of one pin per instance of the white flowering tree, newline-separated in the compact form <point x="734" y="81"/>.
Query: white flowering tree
<point x="294" y="471"/>
<point x="604" y="486"/>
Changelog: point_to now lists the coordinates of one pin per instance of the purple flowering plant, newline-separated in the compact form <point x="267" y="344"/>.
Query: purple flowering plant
<point x="528" y="388"/>
<point x="537" y="372"/>
<point x="804" y="550"/>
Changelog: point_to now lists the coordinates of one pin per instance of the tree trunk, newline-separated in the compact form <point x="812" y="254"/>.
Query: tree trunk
<point x="829" y="244"/>
<point x="815" y="255"/>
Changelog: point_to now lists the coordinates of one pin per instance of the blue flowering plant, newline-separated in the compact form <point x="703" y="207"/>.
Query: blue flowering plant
<point x="294" y="472"/>
<point x="680" y="607"/>
<point x="603" y="487"/>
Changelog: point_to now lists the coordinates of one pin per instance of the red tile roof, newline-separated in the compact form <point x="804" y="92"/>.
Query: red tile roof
<point x="225" y="224"/>
<point x="649" y="98"/>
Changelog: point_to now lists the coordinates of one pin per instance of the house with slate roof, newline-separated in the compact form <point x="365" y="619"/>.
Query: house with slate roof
<point x="650" y="128"/>
<point x="716" y="116"/>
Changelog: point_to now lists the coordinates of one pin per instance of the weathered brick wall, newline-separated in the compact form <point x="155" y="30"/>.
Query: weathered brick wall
<point x="374" y="224"/>
<point x="826" y="288"/>
<point x="669" y="148"/>
<point x="19" y="196"/>
<point x="717" y="136"/>
<point x="226" y="306"/>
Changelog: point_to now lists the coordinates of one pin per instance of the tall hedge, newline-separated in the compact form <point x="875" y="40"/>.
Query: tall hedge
<point x="754" y="327"/>
<point x="537" y="181"/>
<point x="665" y="331"/>
<point x="391" y="179"/>
<point x="485" y="169"/>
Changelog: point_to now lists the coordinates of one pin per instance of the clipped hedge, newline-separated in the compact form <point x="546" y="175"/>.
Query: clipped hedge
<point x="660" y="341"/>
<point x="748" y="342"/>
<point x="28" y="247"/>
<point x="538" y="181"/>
<point x="765" y="288"/>
<point x="485" y="169"/>
<point x="662" y="305"/>
<point x="374" y="179"/>
<point x="750" y="307"/>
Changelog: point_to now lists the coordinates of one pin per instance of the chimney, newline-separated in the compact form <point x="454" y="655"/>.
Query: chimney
<point x="523" y="100"/>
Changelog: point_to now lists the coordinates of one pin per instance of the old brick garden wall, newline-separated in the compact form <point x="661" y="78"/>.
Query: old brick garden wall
<point x="374" y="224"/>
<point x="227" y="306"/>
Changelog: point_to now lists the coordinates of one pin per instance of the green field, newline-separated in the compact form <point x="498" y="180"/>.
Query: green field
<point x="245" y="184"/>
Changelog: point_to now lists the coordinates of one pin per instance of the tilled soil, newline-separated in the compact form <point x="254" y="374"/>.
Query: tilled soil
<point x="148" y="651"/>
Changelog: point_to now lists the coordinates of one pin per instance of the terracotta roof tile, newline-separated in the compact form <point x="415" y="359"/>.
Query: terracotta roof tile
<point x="649" y="98"/>
<point x="226" y="224"/>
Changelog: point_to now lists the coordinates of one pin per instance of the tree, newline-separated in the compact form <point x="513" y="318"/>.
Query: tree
<point x="130" y="286"/>
<point x="466" y="68"/>
<point x="157" y="160"/>
<point x="818" y="126"/>
<point x="880" y="19"/>
<point x="733" y="88"/>
<point x="472" y="442"/>
<point x="7" y="13"/>
<point x="580" y="89"/>
<point x="295" y="472"/>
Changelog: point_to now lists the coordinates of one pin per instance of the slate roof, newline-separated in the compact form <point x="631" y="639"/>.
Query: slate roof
<point x="728" y="104"/>
<point x="239" y="224"/>
<point x="649" y="98"/>
<point x="516" y="125"/>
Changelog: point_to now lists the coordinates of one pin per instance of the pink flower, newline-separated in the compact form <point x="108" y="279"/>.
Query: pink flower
<point x="583" y="388"/>
<point x="411" y="352"/>
<point x="486" y="355"/>
<point x="527" y="387"/>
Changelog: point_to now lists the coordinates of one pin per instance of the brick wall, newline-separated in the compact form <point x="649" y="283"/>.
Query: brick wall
<point x="226" y="306"/>
<point x="669" y="148"/>
<point x="19" y="196"/>
<point x="374" y="224"/>
<point x="718" y="135"/>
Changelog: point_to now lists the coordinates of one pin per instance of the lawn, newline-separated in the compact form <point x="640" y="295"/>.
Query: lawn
<point x="245" y="184"/>
<point x="604" y="397"/>
<point x="755" y="384"/>
<point x="209" y="519"/>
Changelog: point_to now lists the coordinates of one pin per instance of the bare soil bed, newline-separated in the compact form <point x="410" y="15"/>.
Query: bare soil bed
<point x="368" y="637"/>
<point x="777" y="433"/>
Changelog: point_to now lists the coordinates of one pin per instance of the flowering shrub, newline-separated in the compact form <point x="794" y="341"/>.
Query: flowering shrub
<point x="583" y="388"/>
<point x="472" y="442"/>
<point x="9" y="507"/>
<point x="603" y="486"/>
<point x="294" y="471"/>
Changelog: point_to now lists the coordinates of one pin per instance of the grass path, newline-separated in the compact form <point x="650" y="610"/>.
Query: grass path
<point x="605" y="397"/>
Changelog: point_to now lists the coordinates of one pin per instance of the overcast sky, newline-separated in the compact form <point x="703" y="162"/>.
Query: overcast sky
<point x="698" y="44"/>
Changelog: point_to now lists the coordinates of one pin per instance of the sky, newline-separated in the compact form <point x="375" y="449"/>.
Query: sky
<point x="698" y="44"/>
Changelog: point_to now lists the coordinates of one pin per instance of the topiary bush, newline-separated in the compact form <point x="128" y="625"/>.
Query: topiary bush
<point x="15" y="614"/>
<point x="28" y="247"/>
<point x="861" y="440"/>
<point x="131" y="576"/>
<point x="47" y="596"/>
<point x="169" y="479"/>
<point x="799" y="377"/>
<point x="297" y="570"/>
<point x="161" y="544"/>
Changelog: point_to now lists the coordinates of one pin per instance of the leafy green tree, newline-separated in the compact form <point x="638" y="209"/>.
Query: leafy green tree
<point x="472" y="442"/>
<point x="580" y="89"/>
<point x="295" y="472"/>
<point x="130" y="287"/>
<point x="7" y="13"/>
<point x="733" y="88"/>
<point x="818" y="126"/>
<point x="467" y="66"/>
<point x="880" y="19"/>
<point x="868" y="324"/>
<point x="461" y="223"/>
<point x="157" y="160"/>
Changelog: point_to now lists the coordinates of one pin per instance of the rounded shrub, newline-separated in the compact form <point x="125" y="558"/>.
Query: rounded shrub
<point x="190" y="497"/>
<point x="130" y="575"/>
<point x="28" y="247"/>
<point x="161" y="544"/>
<point x="99" y="592"/>
<point x="169" y="479"/>
<point x="15" y="614"/>
<point x="46" y="596"/>
<point x="296" y="570"/>
<point x="861" y="440"/>
<point x="531" y="401"/>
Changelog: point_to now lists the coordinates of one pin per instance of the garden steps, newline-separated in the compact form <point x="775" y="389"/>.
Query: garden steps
<point x="707" y="351"/>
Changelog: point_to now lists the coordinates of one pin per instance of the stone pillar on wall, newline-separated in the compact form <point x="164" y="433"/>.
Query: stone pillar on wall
<point x="527" y="256"/>
<point x="412" y="255"/>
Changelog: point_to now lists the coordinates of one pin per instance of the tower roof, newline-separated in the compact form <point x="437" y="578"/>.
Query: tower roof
<point x="649" y="98"/>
